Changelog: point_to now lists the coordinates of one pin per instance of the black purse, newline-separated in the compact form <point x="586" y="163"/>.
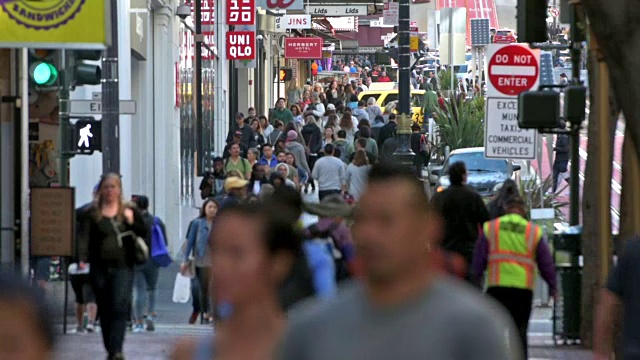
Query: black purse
<point x="136" y="248"/>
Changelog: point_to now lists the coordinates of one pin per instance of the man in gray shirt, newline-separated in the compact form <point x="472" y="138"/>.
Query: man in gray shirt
<point x="404" y="308"/>
<point x="330" y="173"/>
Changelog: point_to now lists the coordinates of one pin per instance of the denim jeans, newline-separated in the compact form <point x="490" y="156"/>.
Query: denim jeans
<point x="144" y="291"/>
<point x="113" y="288"/>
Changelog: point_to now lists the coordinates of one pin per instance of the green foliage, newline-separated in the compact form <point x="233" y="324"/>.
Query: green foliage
<point x="531" y="190"/>
<point x="444" y="79"/>
<point x="461" y="125"/>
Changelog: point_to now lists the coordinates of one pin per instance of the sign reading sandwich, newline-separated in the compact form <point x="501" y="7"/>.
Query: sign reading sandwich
<point x="70" y="24"/>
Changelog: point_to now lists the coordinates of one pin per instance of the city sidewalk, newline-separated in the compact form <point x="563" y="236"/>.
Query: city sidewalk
<point x="170" y="327"/>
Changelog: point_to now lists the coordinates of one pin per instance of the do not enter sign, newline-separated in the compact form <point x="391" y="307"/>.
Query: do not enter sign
<point x="512" y="69"/>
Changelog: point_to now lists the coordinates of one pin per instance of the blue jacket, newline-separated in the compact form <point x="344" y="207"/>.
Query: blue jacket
<point x="198" y="241"/>
<point x="322" y="267"/>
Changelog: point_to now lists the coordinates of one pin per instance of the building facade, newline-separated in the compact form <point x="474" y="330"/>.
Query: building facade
<point x="152" y="152"/>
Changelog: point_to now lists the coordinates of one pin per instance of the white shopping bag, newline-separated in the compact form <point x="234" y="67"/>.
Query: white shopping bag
<point x="181" y="289"/>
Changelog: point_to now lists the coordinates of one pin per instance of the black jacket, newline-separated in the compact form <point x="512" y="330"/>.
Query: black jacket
<point x="312" y="137"/>
<point x="463" y="212"/>
<point x="386" y="132"/>
<point x="562" y="148"/>
<point x="245" y="138"/>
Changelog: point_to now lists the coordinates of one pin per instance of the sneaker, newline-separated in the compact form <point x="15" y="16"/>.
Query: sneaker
<point x="79" y="329"/>
<point x="138" y="328"/>
<point x="90" y="328"/>
<point x="150" y="325"/>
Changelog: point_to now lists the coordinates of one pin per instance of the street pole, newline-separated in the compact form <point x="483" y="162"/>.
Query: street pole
<point x="574" y="179"/>
<point x="65" y="74"/>
<point x="199" y="39"/>
<point x="111" y="100"/>
<point x="451" y="49"/>
<point x="403" y="154"/>
<point x="603" y="161"/>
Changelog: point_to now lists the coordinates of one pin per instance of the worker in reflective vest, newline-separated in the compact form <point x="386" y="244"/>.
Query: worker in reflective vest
<point x="509" y="249"/>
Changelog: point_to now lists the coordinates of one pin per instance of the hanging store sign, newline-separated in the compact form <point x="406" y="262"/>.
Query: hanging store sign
<point x="346" y="10"/>
<point x="207" y="18"/>
<point x="281" y="4"/>
<point x="54" y="24"/>
<point x="309" y="48"/>
<point x="294" y="22"/>
<point x="241" y="45"/>
<point x="241" y="12"/>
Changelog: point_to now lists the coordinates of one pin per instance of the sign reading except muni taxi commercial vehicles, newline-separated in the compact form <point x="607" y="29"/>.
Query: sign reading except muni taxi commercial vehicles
<point x="346" y="10"/>
<point x="512" y="69"/>
<point x="504" y="139"/>
<point x="241" y="45"/>
<point x="52" y="221"/>
<point x="80" y="24"/>
<point x="309" y="48"/>
<point x="241" y="12"/>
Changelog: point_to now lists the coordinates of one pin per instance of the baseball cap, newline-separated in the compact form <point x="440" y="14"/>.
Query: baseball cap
<point x="238" y="133"/>
<point x="331" y="107"/>
<point x="239" y="115"/>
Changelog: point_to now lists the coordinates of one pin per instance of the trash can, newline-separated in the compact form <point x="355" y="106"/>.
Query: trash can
<point x="567" y="251"/>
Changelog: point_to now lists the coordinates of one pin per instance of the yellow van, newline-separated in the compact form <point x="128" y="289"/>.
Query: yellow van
<point x="383" y="97"/>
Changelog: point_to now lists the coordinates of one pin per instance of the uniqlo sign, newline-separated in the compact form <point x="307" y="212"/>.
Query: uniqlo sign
<point x="309" y="48"/>
<point x="241" y="12"/>
<point x="241" y="45"/>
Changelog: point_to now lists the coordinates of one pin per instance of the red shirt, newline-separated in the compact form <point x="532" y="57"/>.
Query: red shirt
<point x="384" y="79"/>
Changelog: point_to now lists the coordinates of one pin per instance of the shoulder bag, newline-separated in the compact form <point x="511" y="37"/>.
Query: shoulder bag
<point x="137" y="249"/>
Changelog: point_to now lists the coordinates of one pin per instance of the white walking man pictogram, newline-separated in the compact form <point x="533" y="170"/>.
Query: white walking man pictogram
<point x="85" y="134"/>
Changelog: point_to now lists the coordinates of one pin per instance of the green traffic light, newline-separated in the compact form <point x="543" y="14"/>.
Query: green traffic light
<point x="44" y="74"/>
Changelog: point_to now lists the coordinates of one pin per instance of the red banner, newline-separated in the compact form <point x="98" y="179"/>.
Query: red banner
<point x="309" y="48"/>
<point x="178" y="103"/>
<point x="476" y="9"/>
<point x="207" y="18"/>
<point x="241" y="45"/>
<point x="241" y="12"/>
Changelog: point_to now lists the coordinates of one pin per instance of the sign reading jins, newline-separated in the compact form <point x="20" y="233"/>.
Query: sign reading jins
<point x="309" y="48"/>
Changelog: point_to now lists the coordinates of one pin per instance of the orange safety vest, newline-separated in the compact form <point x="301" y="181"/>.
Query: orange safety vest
<point x="513" y="243"/>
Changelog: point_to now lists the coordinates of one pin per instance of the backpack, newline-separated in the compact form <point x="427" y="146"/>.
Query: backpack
<point x="342" y="268"/>
<point x="159" y="252"/>
<point x="342" y="146"/>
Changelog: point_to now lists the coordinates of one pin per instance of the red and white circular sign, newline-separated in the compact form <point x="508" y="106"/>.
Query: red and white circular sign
<point x="513" y="69"/>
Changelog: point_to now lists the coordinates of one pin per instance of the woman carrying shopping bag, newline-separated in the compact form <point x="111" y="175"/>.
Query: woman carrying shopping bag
<point x="198" y="243"/>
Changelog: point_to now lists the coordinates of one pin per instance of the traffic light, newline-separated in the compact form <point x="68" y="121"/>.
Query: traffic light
<point x="532" y="21"/>
<point x="43" y="71"/>
<point x="539" y="110"/>
<point x="86" y="136"/>
<point x="86" y="74"/>
<point x="286" y="74"/>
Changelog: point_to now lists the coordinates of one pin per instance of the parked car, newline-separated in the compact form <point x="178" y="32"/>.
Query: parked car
<point x="505" y="36"/>
<point x="484" y="175"/>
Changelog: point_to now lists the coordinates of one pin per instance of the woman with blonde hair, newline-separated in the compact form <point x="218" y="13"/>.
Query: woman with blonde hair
<point x="108" y="243"/>
<point x="357" y="173"/>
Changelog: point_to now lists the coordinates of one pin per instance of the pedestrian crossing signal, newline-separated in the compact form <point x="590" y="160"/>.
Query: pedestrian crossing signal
<point x="286" y="74"/>
<point x="86" y="136"/>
